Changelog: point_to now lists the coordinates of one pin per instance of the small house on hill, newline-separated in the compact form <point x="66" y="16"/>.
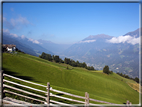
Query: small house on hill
<point x="9" y="47"/>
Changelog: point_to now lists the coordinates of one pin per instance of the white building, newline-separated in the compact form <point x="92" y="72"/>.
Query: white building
<point x="10" y="47"/>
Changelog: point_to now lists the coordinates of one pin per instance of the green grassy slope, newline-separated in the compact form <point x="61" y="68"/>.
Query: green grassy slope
<point x="75" y="80"/>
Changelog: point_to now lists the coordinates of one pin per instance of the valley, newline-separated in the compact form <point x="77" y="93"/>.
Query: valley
<point x="94" y="50"/>
<point x="68" y="53"/>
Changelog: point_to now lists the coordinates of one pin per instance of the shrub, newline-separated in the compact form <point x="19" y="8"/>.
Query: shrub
<point x="106" y="69"/>
<point x="67" y="67"/>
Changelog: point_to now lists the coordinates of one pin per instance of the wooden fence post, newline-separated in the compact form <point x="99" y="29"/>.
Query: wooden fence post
<point x="48" y="93"/>
<point x="1" y="87"/>
<point x="128" y="103"/>
<point x="86" y="99"/>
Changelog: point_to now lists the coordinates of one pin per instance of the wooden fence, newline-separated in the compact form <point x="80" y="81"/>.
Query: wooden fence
<point x="46" y="96"/>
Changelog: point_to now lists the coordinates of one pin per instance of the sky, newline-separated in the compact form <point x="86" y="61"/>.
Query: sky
<point x="68" y="23"/>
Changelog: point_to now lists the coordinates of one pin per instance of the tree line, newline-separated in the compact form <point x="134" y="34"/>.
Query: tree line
<point x="107" y="71"/>
<point x="126" y="76"/>
<point x="69" y="61"/>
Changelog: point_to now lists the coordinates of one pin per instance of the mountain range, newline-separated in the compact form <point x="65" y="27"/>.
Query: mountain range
<point x="53" y="47"/>
<point x="24" y="44"/>
<point x="121" y="53"/>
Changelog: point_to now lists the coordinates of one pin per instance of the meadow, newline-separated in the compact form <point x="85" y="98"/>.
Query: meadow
<point x="111" y="88"/>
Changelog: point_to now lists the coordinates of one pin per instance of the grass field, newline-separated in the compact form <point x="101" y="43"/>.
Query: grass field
<point x="111" y="88"/>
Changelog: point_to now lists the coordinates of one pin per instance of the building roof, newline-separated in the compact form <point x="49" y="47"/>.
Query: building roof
<point x="9" y="45"/>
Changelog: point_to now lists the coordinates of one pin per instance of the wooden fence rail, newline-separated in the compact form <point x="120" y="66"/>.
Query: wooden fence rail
<point x="24" y="86"/>
<point x="53" y="95"/>
<point x="48" y="95"/>
<point x="23" y="96"/>
<point x="72" y="95"/>
<point x="23" y="91"/>
<point x="1" y="87"/>
<point x="24" y="80"/>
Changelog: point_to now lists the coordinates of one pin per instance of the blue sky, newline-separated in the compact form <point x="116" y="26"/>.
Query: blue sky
<point x="69" y="23"/>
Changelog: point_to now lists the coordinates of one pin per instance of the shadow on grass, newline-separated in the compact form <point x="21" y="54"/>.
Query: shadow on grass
<point x="15" y="74"/>
<point x="59" y="94"/>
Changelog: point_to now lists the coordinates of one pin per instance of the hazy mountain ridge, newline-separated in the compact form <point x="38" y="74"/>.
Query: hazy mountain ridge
<point x="24" y="44"/>
<point x="134" y="33"/>
<point x="120" y="57"/>
<point x="57" y="49"/>
<point x="99" y="36"/>
<point x="23" y="47"/>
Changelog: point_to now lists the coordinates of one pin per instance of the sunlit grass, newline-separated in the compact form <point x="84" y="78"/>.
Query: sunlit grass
<point x="111" y="88"/>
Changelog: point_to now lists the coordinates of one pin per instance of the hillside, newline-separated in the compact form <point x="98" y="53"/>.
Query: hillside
<point x="121" y="55"/>
<point x="75" y="80"/>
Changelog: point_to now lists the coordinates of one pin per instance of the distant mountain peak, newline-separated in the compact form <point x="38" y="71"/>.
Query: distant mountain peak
<point x="134" y="33"/>
<point x="102" y="36"/>
<point x="99" y="36"/>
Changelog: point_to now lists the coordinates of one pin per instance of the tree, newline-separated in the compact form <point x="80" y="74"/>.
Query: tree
<point x="126" y="76"/>
<point x="67" y="61"/>
<point x="106" y="69"/>
<point x="74" y="64"/>
<point x="84" y="65"/>
<point x="4" y="49"/>
<point x="48" y="57"/>
<point x="56" y="58"/>
<point x="43" y="55"/>
<point x="136" y="79"/>
<point x="53" y="57"/>
<point x="78" y="64"/>
<point x="92" y="68"/>
<point x="111" y="72"/>
<point x="61" y="61"/>
<point x="67" y="67"/>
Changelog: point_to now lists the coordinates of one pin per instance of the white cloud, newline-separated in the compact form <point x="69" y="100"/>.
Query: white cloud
<point x="37" y="42"/>
<point x="87" y="41"/>
<point x="14" y="35"/>
<point x="34" y="41"/>
<point x="13" y="22"/>
<point x="123" y="39"/>
<point x="19" y="20"/>
<point x="22" y="20"/>
<point x="6" y="31"/>
<point x="16" y="23"/>
<point x="23" y="37"/>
